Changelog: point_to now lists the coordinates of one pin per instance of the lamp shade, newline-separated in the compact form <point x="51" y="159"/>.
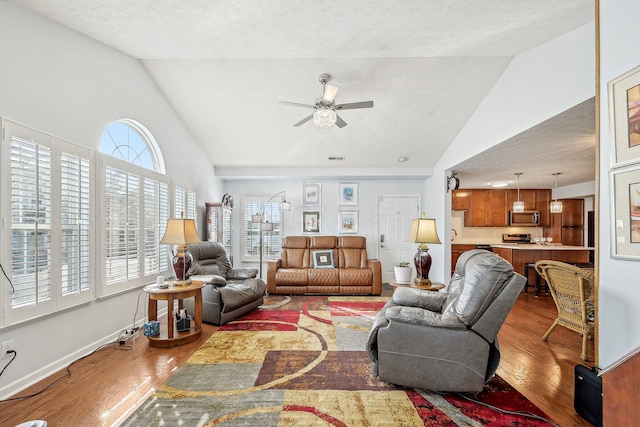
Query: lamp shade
<point x="180" y="232"/>
<point x="423" y="230"/>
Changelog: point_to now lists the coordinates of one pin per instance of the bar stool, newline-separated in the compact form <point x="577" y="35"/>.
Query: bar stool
<point x="532" y="266"/>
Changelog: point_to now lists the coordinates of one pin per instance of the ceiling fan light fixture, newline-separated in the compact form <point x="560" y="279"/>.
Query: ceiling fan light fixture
<point x="324" y="117"/>
<point x="329" y="93"/>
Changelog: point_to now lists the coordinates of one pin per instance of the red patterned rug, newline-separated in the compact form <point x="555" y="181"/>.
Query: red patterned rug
<point x="302" y="361"/>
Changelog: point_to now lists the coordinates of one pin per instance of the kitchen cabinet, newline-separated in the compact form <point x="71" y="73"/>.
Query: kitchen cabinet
<point x="567" y="227"/>
<point x="219" y="226"/>
<point x="490" y="208"/>
<point x="460" y="200"/>
<point x="526" y="196"/>
<point x="487" y="208"/>
<point x="543" y="205"/>
<point x="457" y="250"/>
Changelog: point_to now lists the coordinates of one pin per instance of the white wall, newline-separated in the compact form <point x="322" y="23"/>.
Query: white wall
<point x="619" y="298"/>
<point x="536" y="86"/>
<point x="70" y="86"/>
<point x="369" y="191"/>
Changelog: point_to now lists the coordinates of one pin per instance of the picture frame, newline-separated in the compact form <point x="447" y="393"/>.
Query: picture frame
<point x="348" y="222"/>
<point x="625" y="202"/>
<point x="311" y="194"/>
<point x="348" y="194"/>
<point x="311" y="222"/>
<point x="624" y="108"/>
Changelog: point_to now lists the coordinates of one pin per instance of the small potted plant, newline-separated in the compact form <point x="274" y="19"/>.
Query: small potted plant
<point x="403" y="272"/>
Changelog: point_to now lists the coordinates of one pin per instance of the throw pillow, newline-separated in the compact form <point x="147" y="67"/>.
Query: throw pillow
<point x="323" y="259"/>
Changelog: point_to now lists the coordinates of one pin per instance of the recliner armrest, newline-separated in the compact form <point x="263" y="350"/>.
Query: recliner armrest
<point x="422" y="317"/>
<point x="412" y="297"/>
<point x="242" y="273"/>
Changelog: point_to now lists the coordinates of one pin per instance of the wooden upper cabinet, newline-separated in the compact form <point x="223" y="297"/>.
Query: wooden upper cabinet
<point x="543" y="204"/>
<point x="490" y="208"/>
<point x="497" y="212"/>
<point x="487" y="208"/>
<point x="460" y="200"/>
<point x="526" y="196"/>
<point x="573" y="213"/>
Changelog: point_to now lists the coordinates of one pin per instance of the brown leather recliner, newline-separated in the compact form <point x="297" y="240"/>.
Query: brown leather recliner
<point x="344" y="267"/>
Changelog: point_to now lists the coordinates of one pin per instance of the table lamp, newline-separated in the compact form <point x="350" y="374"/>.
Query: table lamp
<point x="181" y="232"/>
<point x="423" y="231"/>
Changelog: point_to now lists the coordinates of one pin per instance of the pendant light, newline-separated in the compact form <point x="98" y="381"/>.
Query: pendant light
<point x="556" y="206"/>
<point x="518" y="206"/>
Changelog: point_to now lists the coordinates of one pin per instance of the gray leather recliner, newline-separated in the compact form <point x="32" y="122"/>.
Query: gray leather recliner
<point x="446" y="341"/>
<point x="228" y="292"/>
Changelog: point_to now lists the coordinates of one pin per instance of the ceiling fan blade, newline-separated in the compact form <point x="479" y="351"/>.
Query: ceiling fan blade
<point x="329" y="93"/>
<point x="297" y="104"/>
<point x="340" y="123"/>
<point x="354" y="105"/>
<point x="305" y="120"/>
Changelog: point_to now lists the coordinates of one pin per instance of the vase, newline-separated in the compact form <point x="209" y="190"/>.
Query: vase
<point x="403" y="274"/>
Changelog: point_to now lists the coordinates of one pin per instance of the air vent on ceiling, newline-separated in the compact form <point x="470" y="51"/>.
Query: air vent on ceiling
<point x="336" y="158"/>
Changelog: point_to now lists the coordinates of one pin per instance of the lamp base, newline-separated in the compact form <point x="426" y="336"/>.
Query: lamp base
<point x="422" y="260"/>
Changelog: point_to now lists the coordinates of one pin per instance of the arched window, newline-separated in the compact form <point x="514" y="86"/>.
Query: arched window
<point x="136" y="205"/>
<point x="130" y="141"/>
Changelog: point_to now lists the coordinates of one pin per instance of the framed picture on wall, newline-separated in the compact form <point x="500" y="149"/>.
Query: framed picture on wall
<point x="625" y="195"/>
<point x="311" y="194"/>
<point x="311" y="222"/>
<point x="348" y="222"/>
<point x="348" y="194"/>
<point x="624" y="106"/>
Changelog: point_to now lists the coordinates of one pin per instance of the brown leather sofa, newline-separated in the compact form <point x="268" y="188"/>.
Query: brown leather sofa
<point x="324" y="265"/>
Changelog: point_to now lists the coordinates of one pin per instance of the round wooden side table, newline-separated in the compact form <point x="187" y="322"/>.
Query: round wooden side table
<point x="167" y="337"/>
<point x="435" y="286"/>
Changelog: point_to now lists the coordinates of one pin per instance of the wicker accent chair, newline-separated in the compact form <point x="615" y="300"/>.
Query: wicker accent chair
<point x="572" y="290"/>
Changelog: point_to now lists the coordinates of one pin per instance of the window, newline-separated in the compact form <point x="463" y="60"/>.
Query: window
<point x="135" y="208"/>
<point x="272" y="240"/>
<point x="50" y="211"/>
<point x="185" y="203"/>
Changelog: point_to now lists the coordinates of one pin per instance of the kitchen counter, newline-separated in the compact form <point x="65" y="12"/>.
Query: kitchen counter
<point x="519" y="255"/>
<point x="533" y="246"/>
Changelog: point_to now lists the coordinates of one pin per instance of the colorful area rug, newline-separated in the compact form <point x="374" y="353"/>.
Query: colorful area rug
<point x="301" y="361"/>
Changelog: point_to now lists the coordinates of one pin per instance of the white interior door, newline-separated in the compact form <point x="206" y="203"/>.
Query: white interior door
<point x="396" y="213"/>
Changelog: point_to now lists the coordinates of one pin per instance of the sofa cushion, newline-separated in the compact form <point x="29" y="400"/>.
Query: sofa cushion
<point x="236" y="295"/>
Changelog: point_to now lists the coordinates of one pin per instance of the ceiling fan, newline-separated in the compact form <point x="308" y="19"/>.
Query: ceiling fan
<point x="325" y="108"/>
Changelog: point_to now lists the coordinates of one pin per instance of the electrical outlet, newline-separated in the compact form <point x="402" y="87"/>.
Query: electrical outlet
<point x="7" y="346"/>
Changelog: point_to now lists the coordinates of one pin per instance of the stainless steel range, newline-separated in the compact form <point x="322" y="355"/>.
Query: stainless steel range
<point x="516" y="238"/>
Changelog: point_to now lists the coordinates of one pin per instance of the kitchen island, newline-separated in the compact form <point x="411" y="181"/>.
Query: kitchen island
<point x="521" y="254"/>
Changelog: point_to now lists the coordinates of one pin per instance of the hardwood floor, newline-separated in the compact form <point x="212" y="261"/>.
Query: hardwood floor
<point x="106" y="387"/>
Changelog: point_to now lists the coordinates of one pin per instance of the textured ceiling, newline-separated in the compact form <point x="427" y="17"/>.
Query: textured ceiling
<point x="224" y="65"/>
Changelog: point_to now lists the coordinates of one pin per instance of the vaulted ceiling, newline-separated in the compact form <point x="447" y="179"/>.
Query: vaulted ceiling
<point x="224" y="65"/>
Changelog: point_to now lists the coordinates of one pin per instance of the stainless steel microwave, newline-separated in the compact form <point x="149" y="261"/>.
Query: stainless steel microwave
<point x="524" y="219"/>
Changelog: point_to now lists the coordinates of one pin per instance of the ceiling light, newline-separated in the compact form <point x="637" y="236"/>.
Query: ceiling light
<point x="324" y="117"/>
<point x="403" y="159"/>
<point x="499" y="184"/>
<point x="518" y="205"/>
<point x="556" y="206"/>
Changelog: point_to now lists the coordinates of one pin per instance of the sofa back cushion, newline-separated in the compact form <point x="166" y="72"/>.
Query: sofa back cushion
<point x="295" y="252"/>
<point x="321" y="244"/>
<point x="352" y="252"/>
<point x="209" y="258"/>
